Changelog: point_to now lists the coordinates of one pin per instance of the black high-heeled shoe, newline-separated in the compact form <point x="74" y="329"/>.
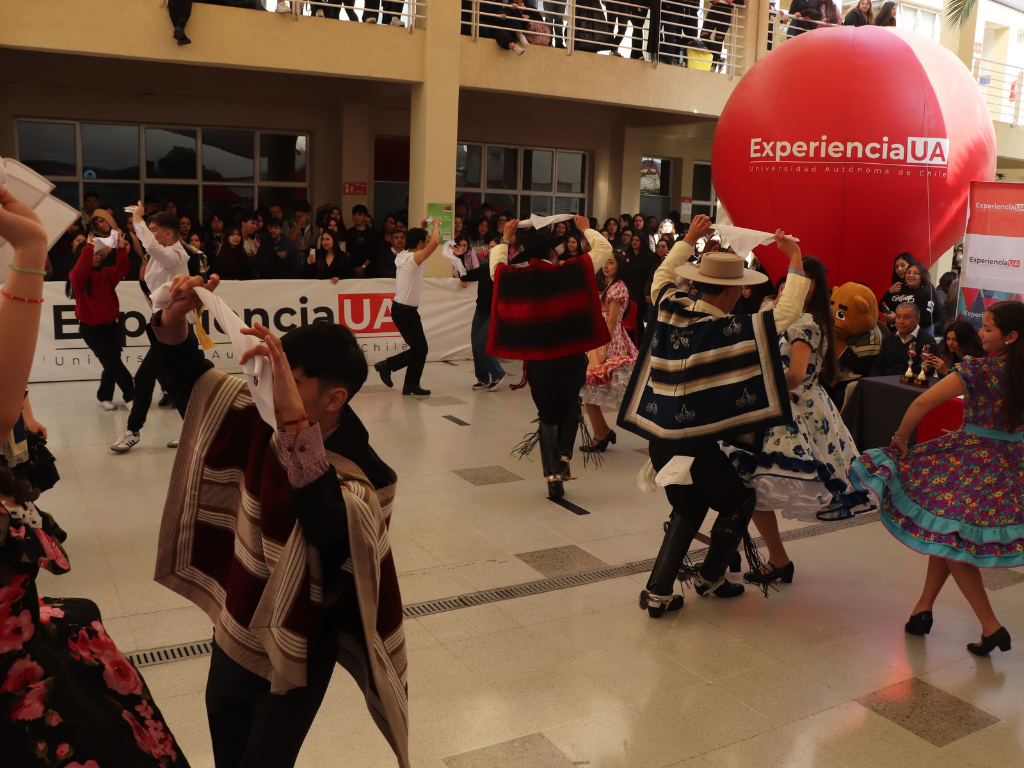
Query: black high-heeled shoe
<point x="600" y="445"/>
<point x="999" y="639"/>
<point x="767" y="577"/>
<point x="919" y="624"/>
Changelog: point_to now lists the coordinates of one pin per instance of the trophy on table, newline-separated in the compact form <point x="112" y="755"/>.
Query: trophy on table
<point x="922" y="378"/>
<point x="908" y="377"/>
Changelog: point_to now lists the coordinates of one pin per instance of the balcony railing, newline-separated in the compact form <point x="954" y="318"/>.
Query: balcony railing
<point x="410" y="14"/>
<point x="1000" y="85"/>
<point x="698" y="34"/>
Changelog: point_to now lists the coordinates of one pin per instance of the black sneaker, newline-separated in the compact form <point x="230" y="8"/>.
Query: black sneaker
<point x="385" y="373"/>
<point x="165" y="400"/>
<point x="418" y="391"/>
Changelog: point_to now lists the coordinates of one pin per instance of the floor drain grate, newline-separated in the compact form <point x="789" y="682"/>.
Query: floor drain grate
<point x="171" y="653"/>
<point x="445" y="604"/>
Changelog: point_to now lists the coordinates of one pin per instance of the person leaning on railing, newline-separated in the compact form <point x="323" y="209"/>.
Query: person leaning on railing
<point x="861" y="15"/>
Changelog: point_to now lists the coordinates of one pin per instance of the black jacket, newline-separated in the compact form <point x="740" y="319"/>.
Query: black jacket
<point x="485" y="291"/>
<point x="892" y="355"/>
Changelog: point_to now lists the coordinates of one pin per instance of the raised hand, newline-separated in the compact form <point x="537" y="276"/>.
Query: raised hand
<point x="19" y="224"/>
<point x="184" y="299"/>
<point x="787" y="244"/>
<point x="510" y="229"/>
<point x="699" y="227"/>
<point x="582" y="223"/>
<point x="287" y="402"/>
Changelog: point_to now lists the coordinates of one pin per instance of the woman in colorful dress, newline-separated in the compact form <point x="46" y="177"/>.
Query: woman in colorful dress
<point x="803" y="467"/>
<point x="960" y="498"/>
<point x="609" y="367"/>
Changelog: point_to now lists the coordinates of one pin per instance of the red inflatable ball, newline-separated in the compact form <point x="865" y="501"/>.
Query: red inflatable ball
<point x="862" y="142"/>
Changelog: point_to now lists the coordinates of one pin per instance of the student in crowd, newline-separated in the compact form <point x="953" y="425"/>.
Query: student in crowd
<point x="259" y="253"/>
<point x="405" y="311"/>
<point x="97" y="309"/>
<point x="384" y="264"/>
<point x="171" y="207"/>
<point x="860" y="15"/>
<point x="287" y="255"/>
<point x="624" y="241"/>
<point x="167" y="258"/>
<point x="214" y="235"/>
<point x="361" y="241"/>
<point x="919" y="285"/>
<point x="195" y="245"/>
<point x="942" y="291"/>
<point x="887" y="15"/>
<point x="961" y="341"/>
<point x="231" y="262"/>
<point x="303" y="234"/>
<point x="90" y="203"/>
<point x="329" y="262"/>
<point x="611" y="226"/>
<point x="641" y="263"/>
<point x="892" y="355"/>
<point x="150" y="205"/>
<point x="480" y="235"/>
<point x="897" y="293"/>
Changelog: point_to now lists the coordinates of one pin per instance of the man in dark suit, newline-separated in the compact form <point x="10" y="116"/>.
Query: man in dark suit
<point x="892" y="355"/>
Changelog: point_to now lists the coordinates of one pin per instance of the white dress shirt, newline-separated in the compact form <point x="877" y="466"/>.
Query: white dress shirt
<point x="164" y="261"/>
<point x="408" y="279"/>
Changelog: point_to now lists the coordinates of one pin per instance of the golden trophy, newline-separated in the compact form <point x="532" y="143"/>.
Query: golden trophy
<point x="908" y="377"/>
<point x="922" y="378"/>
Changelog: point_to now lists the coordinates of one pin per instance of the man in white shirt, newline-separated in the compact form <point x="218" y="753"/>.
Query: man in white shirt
<point x="167" y="258"/>
<point x="405" y="311"/>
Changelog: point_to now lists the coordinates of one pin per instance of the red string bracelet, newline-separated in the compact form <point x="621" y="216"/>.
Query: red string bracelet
<point x="19" y="298"/>
<point x="299" y="420"/>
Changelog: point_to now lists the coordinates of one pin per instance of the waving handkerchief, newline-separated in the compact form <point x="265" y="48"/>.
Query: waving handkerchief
<point x="743" y="241"/>
<point x="538" y="222"/>
<point x="110" y="241"/>
<point x="257" y="370"/>
<point x="34" y="191"/>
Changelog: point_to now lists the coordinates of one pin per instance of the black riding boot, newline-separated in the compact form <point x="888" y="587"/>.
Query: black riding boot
<point x="726" y="535"/>
<point x="658" y="597"/>
<point x="549" y="459"/>
<point x="568" y="428"/>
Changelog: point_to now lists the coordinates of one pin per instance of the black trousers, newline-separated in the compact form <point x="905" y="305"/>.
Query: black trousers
<point x="407" y="320"/>
<point x="555" y="387"/>
<point x="180" y="11"/>
<point x="716" y="484"/>
<point x="253" y="728"/>
<point x="392" y="8"/>
<point x="105" y="343"/>
<point x="145" y="381"/>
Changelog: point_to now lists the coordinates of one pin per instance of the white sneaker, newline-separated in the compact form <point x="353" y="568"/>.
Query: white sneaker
<point x="107" y="405"/>
<point x="126" y="441"/>
<point x="172" y="443"/>
<point x="396" y="22"/>
<point x="522" y="39"/>
<point x="496" y="385"/>
<point x="282" y="7"/>
<point x="518" y="50"/>
<point x="482" y="385"/>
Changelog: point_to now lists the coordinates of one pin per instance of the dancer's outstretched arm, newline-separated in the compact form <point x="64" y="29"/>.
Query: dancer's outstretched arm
<point x="947" y="388"/>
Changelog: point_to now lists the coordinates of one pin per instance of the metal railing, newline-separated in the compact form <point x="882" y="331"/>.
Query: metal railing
<point x="782" y="27"/>
<point x="410" y="14"/>
<point x="700" y="34"/>
<point x="1000" y="85"/>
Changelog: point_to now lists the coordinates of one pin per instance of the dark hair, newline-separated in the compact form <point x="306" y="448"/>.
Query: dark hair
<point x="231" y="256"/>
<point x="302" y="206"/>
<point x="16" y="487"/>
<point x="926" y="276"/>
<point x="1009" y="316"/>
<point x="819" y="304"/>
<point x="360" y="208"/>
<point x="415" y="236"/>
<point x="611" y="220"/>
<point x="274" y="222"/>
<point x="251" y="216"/>
<point x="709" y="289"/>
<point x="89" y="193"/>
<point x="946" y="280"/>
<point x="886" y="15"/>
<point x="901" y="257"/>
<point x="575" y="235"/>
<point x="621" y="273"/>
<point x="321" y="252"/>
<point x="487" y="206"/>
<point x="151" y="197"/>
<point x="968" y="343"/>
<point x="329" y="353"/>
<point x="830" y="12"/>
<point x="165" y="220"/>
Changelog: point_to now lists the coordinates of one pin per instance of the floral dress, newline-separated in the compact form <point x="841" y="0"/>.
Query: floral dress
<point x="803" y="467"/>
<point x="960" y="496"/>
<point x="608" y="375"/>
<point x="68" y="697"/>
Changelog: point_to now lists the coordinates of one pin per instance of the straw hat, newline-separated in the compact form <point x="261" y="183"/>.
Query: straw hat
<point x="721" y="269"/>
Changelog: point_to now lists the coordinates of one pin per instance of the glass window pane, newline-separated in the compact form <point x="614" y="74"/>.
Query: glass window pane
<point x="537" y="169"/>
<point x="217" y="198"/>
<point x="228" y="154"/>
<point x="282" y="196"/>
<point x="502" y="167"/>
<point x="572" y="171"/>
<point x="184" y="196"/>
<point x="390" y="197"/>
<point x="170" y="153"/>
<point x="47" y="148"/>
<point x="701" y="189"/>
<point x="502" y="203"/>
<point x="471" y="201"/>
<point x="68" y="192"/>
<point x="282" y="157"/>
<point x="707" y="210"/>
<point x="542" y="205"/>
<point x="467" y="165"/>
<point x="115" y="197"/>
<point x="572" y="205"/>
<point x="110" y="151"/>
<point x="654" y="176"/>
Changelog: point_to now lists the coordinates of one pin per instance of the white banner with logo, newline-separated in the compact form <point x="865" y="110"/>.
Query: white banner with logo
<point x="364" y="306"/>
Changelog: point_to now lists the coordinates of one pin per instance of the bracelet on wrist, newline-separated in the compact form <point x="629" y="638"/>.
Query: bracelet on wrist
<point x="292" y="423"/>
<point x="7" y="295"/>
<point x="898" y="439"/>
<point x="27" y="271"/>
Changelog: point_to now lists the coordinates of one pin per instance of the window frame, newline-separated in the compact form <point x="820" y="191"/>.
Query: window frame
<point x="143" y="180"/>
<point x="713" y="202"/>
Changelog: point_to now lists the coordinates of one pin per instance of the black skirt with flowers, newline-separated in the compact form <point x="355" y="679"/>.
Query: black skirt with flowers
<point x="68" y="697"/>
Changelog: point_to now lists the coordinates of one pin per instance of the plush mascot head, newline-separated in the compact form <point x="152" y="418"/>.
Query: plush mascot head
<point x="855" y="310"/>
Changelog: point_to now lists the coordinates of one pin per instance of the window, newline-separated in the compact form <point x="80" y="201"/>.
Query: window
<point x="521" y="181"/>
<point x="655" y="183"/>
<point x="198" y="169"/>
<point x="703" y="192"/>
<point x="919" y="20"/>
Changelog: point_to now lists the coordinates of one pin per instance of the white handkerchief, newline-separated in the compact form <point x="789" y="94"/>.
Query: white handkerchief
<point x="743" y="241"/>
<point x="537" y="221"/>
<point x="257" y="371"/>
<point x="110" y="241"/>
<point x="33" y="190"/>
<point x="676" y="472"/>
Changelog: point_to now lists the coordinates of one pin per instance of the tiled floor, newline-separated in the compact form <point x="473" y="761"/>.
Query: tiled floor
<point x="820" y="674"/>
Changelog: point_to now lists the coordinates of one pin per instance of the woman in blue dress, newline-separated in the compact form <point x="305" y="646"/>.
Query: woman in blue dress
<point x="960" y="498"/>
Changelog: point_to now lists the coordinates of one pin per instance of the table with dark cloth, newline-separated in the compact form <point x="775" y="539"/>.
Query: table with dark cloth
<point x="874" y="409"/>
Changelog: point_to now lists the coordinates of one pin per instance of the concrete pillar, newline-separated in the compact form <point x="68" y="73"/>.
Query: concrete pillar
<point x="754" y="35"/>
<point x="632" y="156"/>
<point x="356" y="155"/>
<point x="960" y="40"/>
<point x="434" y="123"/>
